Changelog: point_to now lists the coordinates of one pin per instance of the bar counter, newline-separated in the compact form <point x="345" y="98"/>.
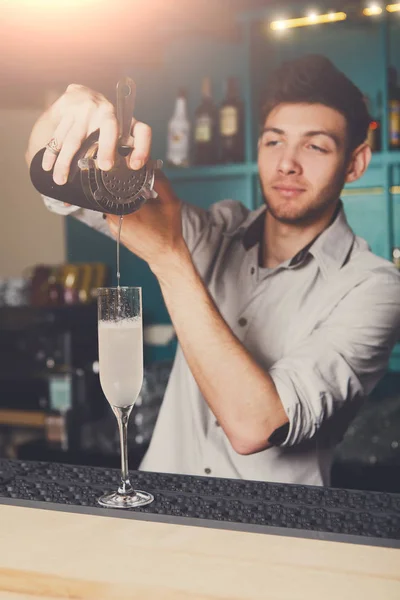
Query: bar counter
<point x="201" y="539"/>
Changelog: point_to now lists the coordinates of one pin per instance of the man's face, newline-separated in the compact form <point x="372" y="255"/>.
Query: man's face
<point x="302" y="161"/>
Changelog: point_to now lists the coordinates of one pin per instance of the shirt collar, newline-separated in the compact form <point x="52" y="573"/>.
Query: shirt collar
<point x="330" y="248"/>
<point x="252" y="228"/>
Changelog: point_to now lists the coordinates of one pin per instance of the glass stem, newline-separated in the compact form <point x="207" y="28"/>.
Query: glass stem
<point x="122" y="415"/>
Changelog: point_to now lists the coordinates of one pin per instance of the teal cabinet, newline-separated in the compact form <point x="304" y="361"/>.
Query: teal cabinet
<point x="367" y="216"/>
<point x="395" y="201"/>
<point x="216" y="186"/>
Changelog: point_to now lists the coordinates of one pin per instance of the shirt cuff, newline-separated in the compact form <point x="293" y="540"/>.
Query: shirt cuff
<point x="300" y="427"/>
<point x="92" y="218"/>
<point x="58" y="207"/>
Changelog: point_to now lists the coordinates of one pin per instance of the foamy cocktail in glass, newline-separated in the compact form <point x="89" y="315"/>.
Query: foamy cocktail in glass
<point x="121" y="374"/>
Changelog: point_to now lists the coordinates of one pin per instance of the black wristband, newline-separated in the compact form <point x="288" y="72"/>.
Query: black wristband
<point x="279" y="435"/>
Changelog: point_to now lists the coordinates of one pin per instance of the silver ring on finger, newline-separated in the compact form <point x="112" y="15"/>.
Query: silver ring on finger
<point x="53" y="146"/>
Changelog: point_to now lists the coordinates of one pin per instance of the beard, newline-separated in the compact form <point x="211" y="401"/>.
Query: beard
<point x="307" y="209"/>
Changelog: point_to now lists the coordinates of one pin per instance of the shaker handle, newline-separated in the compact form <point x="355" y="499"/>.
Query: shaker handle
<point x="126" y="95"/>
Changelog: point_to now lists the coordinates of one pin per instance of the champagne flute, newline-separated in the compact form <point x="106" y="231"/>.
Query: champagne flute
<point x="121" y="374"/>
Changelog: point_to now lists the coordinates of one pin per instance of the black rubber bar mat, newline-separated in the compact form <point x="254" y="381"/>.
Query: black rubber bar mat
<point x="360" y="517"/>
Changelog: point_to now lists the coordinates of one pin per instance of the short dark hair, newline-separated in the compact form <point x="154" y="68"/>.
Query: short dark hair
<point x="314" y="79"/>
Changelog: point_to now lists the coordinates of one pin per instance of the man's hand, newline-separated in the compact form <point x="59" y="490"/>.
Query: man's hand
<point x="71" y="119"/>
<point x="154" y="233"/>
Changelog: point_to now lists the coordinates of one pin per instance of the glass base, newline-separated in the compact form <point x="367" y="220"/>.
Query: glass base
<point x="133" y="500"/>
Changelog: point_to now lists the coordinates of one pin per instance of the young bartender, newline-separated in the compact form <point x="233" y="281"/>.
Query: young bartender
<point x="285" y="318"/>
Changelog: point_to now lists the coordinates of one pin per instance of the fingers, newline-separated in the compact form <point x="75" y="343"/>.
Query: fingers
<point x="49" y="157"/>
<point x="83" y="111"/>
<point x="70" y="141"/>
<point x="70" y="146"/>
<point x="107" y="141"/>
<point x="142" y="144"/>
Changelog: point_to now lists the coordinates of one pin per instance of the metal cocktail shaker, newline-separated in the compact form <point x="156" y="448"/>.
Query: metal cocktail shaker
<point x="120" y="191"/>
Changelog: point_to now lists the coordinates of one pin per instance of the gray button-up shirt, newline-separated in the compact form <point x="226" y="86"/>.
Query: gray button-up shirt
<point x="322" y="325"/>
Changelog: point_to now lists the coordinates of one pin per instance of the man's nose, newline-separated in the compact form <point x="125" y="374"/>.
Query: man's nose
<point x="288" y="163"/>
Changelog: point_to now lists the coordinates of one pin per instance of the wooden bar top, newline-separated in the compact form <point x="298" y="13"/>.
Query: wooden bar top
<point x="201" y="539"/>
<point x="52" y="554"/>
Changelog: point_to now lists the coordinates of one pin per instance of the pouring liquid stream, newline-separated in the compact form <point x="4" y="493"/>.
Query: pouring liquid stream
<point x="126" y="93"/>
<point x="119" y="307"/>
<point x="118" y="243"/>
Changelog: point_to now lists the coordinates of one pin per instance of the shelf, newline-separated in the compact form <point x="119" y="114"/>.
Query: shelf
<point x="68" y="317"/>
<point x="210" y="172"/>
<point x="22" y="418"/>
<point x="391" y="157"/>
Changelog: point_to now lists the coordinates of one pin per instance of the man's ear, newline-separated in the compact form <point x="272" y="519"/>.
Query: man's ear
<point x="359" y="162"/>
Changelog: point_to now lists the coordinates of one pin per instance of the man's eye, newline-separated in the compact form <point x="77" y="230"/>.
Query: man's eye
<point x="271" y="143"/>
<point x="318" y="149"/>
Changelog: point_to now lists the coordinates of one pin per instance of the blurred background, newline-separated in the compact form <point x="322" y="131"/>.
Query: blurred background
<point x="211" y="57"/>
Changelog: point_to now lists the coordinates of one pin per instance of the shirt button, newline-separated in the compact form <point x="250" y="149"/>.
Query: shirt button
<point x="242" y="321"/>
<point x="252" y="270"/>
<point x="217" y="424"/>
<point x="207" y="471"/>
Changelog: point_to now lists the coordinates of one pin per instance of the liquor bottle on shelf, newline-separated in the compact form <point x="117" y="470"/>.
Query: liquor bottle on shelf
<point x="231" y="125"/>
<point x="374" y="137"/>
<point x="55" y="288"/>
<point x="70" y="281"/>
<point x="396" y="257"/>
<point x="179" y="133"/>
<point x="394" y="109"/>
<point x="205" y="127"/>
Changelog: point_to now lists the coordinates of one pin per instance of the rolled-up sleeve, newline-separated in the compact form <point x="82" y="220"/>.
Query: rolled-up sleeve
<point x="343" y="360"/>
